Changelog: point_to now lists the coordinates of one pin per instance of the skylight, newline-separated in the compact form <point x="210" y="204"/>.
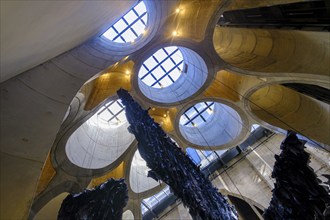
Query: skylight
<point x="130" y="26"/>
<point x="113" y="112"/>
<point x="163" y="68"/>
<point x="197" y="114"/>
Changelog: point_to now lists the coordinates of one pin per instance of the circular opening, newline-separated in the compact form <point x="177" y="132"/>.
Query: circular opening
<point x="197" y="115"/>
<point x="130" y="26"/>
<point x="172" y="74"/>
<point x="139" y="180"/>
<point x="163" y="68"/>
<point x="210" y="124"/>
<point x="101" y="139"/>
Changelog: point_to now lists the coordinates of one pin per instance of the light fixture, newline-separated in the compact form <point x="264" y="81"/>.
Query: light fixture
<point x="178" y="10"/>
<point x="127" y="72"/>
<point x="175" y="33"/>
<point x="165" y="115"/>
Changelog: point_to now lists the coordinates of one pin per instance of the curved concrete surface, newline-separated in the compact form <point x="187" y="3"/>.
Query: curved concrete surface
<point x="34" y="103"/>
<point x="95" y="144"/>
<point x="222" y="127"/>
<point x="52" y="35"/>
<point x="50" y="210"/>
<point x="187" y="84"/>
<point x="138" y="180"/>
<point x="287" y="109"/>
<point x="274" y="51"/>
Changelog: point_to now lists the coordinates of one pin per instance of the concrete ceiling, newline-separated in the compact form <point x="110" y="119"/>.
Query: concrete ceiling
<point x="32" y="32"/>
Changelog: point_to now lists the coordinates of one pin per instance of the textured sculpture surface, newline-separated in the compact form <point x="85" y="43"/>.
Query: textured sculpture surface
<point x="102" y="203"/>
<point x="170" y="164"/>
<point x="297" y="193"/>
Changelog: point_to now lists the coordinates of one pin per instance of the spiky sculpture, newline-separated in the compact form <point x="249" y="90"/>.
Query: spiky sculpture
<point x="169" y="164"/>
<point x="297" y="193"/>
<point x="106" y="201"/>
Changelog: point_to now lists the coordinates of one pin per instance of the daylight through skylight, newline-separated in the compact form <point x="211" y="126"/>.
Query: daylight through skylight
<point x="197" y="114"/>
<point x="113" y="112"/>
<point x="163" y="68"/>
<point x="130" y="26"/>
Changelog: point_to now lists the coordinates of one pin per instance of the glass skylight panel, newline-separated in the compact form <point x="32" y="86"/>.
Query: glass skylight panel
<point x="145" y="19"/>
<point x="113" y="112"/>
<point x="140" y="8"/>
<point x="128" y="36"/>
<point x="130" y="17"/>
<point x="160" y="55"/>
<point x="119" y="26"/>
<point x="197" y="114"/>
<point x="138" y="25"/>
<point x="130" y="26"/>
<point x="164" y="67"/>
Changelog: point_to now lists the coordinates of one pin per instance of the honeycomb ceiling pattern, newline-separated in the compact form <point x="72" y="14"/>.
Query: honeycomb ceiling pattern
<point x="240" y="70"/>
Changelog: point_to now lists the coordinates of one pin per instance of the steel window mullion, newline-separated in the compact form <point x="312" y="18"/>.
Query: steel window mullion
<point x="159" y="63"/>
<point x="105" y="107"/>
<point x="135" y="12"/>
<point x="115" y="115"/>
<point x="110" y="112"/>
<point x="173" y="61"/>
<point x="121" y="37"/>
<point x="128" y="26"/>
<point x="125" y="21"/>
<point x="155" y="58"/>
<point x="166" y="74"/>
<point x="152" y="75"/>
<point x="143" y="20"/>
<point x="113" y="27"/>
<point x="120" y="104"/>
<point x="132" y="29"/>
<point x="186" y="116"/>
<point x="198" y="114"/>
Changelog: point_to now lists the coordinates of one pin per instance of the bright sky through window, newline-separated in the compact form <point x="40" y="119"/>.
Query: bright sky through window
<point x="113" y="112"/>
<point x="130" y="26"/>
<point x="197" y="114"/>
<point x="163" y="68"/>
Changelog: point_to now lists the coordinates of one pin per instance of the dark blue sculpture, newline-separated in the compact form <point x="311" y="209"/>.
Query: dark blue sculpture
<point x="169" y="164"/>
<point x="297" y="193"/>
<point x="105" y="202"/>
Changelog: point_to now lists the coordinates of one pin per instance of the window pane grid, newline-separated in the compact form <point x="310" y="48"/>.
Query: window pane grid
<point x="159" y="63"/>
<point x="197" y="114"/>
<point x="166" y="74"/>
<point x="125" y="27"/>
<point x="163" y="68"/>
<point x="116" y="110"/>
